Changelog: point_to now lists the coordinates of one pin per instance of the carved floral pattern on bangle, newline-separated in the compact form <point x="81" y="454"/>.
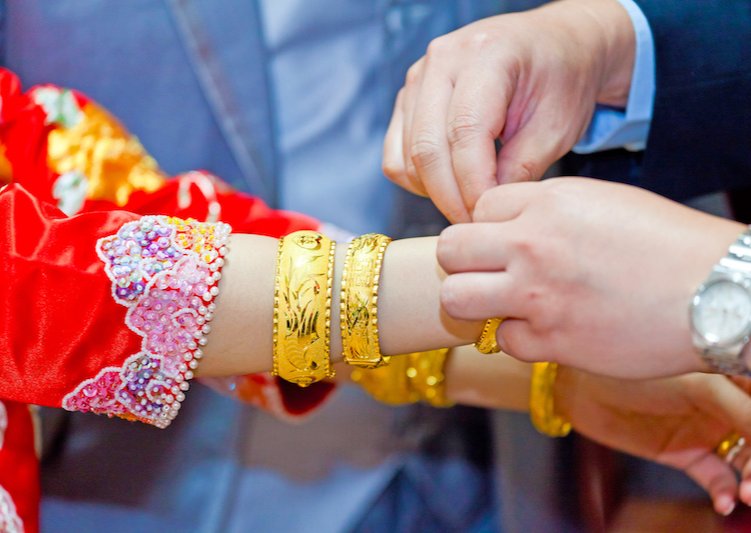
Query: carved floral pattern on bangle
<point x="166" y="271"/>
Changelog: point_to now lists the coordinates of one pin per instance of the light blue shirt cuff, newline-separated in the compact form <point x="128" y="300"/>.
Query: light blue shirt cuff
<point x="619" y="128"/>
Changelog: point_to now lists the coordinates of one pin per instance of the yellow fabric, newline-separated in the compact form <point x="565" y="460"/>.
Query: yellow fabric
<point x="113" y="161"/>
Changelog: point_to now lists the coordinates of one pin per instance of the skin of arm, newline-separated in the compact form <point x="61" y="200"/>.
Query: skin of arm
<point x="682" y="432"/>
<point x="409" y="312"/>
<point x="675" y="421"/>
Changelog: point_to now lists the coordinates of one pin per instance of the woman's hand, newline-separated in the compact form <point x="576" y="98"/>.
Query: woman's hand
<point x="674" y="421"/>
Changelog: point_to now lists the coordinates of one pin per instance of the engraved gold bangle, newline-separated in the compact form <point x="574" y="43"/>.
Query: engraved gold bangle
<point x="542" y="403"/>
<point x="487" y="342"/>
<point x="359" y="301"/>
<point x="302" y="308"/>
<point x="410" y="378"/>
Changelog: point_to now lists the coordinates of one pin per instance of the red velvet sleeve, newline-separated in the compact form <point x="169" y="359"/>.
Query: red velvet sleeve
<point x="66" y="151"/>
<point x="19" y="470"/>
<point x="103" y="311"/>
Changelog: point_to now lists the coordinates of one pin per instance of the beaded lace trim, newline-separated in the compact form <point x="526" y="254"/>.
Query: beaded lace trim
<point x="166" y="271"/>
<point x="10" y="522"/>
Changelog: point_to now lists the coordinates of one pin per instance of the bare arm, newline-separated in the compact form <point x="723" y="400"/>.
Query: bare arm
<point x="410" y="315"/>
<point x="674" y="421"/>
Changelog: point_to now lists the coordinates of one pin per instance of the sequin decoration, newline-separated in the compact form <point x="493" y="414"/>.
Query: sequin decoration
<point x="166" y="271"/>
<point x="10" y="522"/>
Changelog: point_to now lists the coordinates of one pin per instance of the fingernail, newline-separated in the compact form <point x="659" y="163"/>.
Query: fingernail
<point x="725" y="504"/>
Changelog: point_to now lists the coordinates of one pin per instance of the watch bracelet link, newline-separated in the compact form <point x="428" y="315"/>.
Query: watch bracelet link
<point x="737" y="261"/>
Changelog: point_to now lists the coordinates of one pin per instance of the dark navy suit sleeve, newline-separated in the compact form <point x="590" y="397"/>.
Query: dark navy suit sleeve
<point x="700" y="138"/>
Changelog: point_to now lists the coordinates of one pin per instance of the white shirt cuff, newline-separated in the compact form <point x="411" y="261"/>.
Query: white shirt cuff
<point x="627" y="128"/>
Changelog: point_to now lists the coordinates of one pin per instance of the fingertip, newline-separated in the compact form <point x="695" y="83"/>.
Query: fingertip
<point x="450" y="296"/>
<point x="724" y="504"/>
<point x="446" y="248"/>
<point x="455" y="212"/>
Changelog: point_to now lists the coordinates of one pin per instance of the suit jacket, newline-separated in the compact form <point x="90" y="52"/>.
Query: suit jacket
<point x="701" y="125"/>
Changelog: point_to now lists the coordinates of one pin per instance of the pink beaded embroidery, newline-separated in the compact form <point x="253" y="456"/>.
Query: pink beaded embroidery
<point x="10" y="522"/>
<point x="166" y="271"/>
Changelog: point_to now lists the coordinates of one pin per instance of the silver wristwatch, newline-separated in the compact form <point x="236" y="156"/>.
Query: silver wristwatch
<point x="721" y="310"/>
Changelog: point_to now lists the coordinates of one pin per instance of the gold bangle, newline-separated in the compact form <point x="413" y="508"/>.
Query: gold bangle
<point x="359" y="301"/>
<point x="302" y="308"/>
<point x="542" y="403"/>
<point x="409" y="378"/>
<point x="487" y="342"/>
<point x="427" y="376"/>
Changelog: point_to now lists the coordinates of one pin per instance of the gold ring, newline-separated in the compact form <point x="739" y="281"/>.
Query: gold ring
<point x="487" y="342"/>
<point x="729" y="448"/>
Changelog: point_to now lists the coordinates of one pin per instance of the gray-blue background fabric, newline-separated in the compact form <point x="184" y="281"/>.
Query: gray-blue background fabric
<point x="288" y="100"/>
<point x="203" y="86"/>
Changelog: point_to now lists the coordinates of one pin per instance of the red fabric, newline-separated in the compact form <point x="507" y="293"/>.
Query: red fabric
<point x="23" y="134"/>
<point x="58" y="321"/>
<point x="245" y="213"/>
<point x="19" y="469"/>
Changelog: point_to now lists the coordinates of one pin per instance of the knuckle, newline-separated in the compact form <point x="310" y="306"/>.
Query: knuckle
<point x="424" y="152"/>
<point x="536" y="302"/>
<point x="464" y="128"/>
<point x="528" y="171"/>
<point x="561" y="197"/>
<point x="531" y="250"/>
<point x="393" y="170"/>
<point x="413" y="74"/>
<point x="481" y="39"/>
<point x="521" y="170"/>
<point x="437" y="47"/>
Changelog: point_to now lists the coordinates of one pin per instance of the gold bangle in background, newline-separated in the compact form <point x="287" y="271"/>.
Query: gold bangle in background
<point x="302" y="308"/>
<point x="359" y="301"/>
<point x="729" y="448"/>
<point x="542" y="404"/>
<point x="427" y="376"/>
<point x="487" y="342"/>
<point x="409" y="378"/>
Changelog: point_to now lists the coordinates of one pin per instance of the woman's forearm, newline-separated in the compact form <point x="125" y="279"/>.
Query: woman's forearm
<point x="409" y="312"/>
<point x="495" y="381"/>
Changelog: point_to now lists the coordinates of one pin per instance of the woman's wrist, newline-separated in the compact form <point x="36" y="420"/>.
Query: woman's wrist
<point x="410" y="318"/>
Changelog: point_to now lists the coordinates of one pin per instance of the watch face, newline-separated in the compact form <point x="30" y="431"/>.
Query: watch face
<point x="722" y="312"/>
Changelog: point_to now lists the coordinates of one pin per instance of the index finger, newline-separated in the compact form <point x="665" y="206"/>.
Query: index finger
<point x="476" y="118"/>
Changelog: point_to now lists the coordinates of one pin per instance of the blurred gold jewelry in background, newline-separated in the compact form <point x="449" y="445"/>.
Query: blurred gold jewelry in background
<point x="410" y="378"/>
<point x="542" y="403"/>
